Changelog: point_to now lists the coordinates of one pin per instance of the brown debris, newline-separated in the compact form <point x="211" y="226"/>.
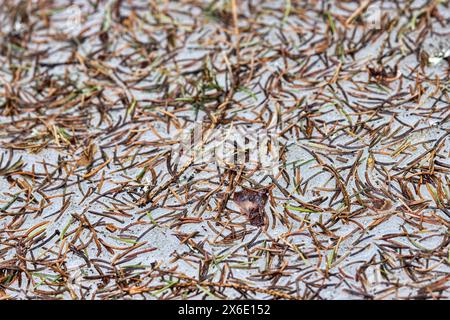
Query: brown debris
<point x="252" y="203"/>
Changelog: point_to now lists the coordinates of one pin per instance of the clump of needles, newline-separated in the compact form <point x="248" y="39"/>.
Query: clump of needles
<point x="97" y="203"/>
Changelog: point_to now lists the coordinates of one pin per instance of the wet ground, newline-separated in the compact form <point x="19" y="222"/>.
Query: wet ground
<point x="103" y="197"/>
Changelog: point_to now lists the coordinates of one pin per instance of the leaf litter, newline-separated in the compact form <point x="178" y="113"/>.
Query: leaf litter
<point x="95" y="205"/>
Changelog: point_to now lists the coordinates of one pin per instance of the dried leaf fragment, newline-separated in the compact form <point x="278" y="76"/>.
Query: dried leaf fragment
<point x="252" y="203"/>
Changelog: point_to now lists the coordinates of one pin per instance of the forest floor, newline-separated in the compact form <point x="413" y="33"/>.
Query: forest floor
<point x="224" y="149"/>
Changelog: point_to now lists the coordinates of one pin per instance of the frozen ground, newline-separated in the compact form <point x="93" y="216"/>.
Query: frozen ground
<point x="94" y="203"/>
